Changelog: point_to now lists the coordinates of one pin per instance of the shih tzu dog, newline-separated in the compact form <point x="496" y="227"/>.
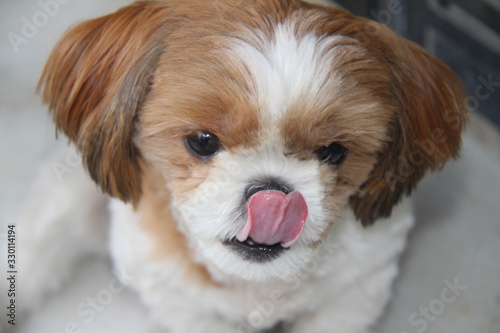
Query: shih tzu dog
<point x="257" y="153"/>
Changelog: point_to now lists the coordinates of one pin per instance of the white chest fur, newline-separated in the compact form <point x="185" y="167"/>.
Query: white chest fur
<point x="352" y="269"/>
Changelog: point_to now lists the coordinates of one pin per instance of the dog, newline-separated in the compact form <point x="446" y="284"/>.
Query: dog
<point x="257" y="155"/>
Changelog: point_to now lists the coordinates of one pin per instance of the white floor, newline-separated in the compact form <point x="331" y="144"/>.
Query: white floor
<point x="456" y="240"/>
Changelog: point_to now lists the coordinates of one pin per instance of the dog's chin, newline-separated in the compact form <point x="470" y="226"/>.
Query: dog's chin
<point x="234" y="260"/>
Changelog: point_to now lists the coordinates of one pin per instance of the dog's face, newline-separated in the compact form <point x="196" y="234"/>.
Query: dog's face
<point x="261" y="121"/>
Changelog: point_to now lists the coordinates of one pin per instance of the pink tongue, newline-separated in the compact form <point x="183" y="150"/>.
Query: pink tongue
<point x="274" y="217"/>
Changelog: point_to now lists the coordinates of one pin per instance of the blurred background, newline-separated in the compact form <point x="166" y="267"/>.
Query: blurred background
<point x="454" y="249"/>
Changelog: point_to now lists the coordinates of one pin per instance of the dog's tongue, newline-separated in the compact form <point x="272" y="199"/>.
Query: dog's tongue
<point x="274" y="217"/>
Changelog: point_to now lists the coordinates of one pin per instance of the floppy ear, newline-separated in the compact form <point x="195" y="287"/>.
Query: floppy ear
<point x="96" y="80"/>
<point x="426" y="127"/>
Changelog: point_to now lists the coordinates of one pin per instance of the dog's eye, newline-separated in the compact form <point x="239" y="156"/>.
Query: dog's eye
<point x="332" y="154"/>
<point x="202" y="144"/>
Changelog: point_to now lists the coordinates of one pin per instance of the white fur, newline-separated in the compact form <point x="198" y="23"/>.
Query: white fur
<point x="214" y="213"/>
<point x="283" y="71"/>
<point x="65" y="218"/>
<point x="341" y="285"/>
<point x="345" y="285"/>
<point x="286" y="70"/>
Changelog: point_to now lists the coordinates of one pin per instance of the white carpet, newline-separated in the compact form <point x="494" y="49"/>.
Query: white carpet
<point x="456" y="240"/>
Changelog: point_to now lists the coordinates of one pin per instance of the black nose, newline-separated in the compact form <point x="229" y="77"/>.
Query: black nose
<point x="267" y="184"/>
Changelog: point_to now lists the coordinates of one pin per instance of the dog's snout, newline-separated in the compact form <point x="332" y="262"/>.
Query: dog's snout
<point x="267" y="184"/>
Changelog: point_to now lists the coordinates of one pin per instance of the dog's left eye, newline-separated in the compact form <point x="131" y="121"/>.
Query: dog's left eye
<point x="202" y="144"/>
<point x="332" y="154"/>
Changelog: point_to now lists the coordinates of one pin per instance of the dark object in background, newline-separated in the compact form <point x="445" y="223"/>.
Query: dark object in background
<point x="465" y="34"/>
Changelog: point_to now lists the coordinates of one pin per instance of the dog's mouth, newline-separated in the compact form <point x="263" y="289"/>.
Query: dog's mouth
<point x="274" y="221"/>
<point x="255" y="252"/>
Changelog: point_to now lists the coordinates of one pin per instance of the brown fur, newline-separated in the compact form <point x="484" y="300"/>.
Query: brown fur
<point x="430" y="110"/>
<point x="95" y="82"/>
<point x="169" y="243"/>
<point x="127" y="87"/>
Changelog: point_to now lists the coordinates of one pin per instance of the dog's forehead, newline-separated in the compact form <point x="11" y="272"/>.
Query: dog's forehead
<point x="284" y="71"/>
<point x="288" y="83"/>
<point x="302" y="84"/>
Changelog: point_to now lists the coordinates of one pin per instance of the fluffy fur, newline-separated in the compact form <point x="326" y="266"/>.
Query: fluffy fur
<point x="274" y="81"/>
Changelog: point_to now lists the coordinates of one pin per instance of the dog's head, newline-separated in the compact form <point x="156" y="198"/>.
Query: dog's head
<point x="261" y="120"/>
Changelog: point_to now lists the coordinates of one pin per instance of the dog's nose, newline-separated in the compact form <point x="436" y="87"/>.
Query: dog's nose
<point x="267" y="184"/>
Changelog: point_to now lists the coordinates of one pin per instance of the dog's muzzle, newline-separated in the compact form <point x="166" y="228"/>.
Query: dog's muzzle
<point x="275" y="218"/>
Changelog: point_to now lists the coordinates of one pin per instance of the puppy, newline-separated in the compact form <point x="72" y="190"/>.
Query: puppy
<point x="257" y="153"/>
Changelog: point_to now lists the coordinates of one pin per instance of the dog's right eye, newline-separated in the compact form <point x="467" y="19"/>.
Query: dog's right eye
<point x="332" y="154"/>
<point x="202" y="144"/>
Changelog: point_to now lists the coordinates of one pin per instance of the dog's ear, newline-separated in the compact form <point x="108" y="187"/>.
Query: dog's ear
<point x="96" y="80"/>
<point x="426" y="127"/>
